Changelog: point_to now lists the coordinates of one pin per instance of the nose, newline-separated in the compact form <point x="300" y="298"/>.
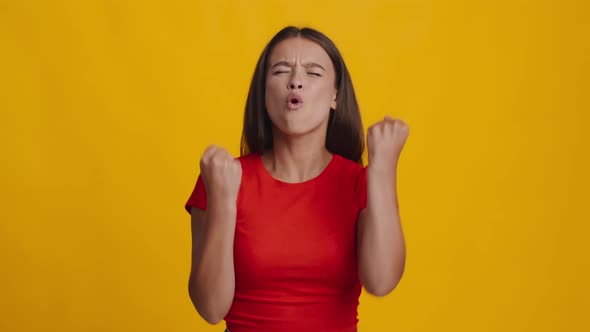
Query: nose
<point x="295" y="84"/>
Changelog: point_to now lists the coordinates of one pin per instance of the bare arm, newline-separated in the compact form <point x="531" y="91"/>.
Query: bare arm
<point x="212" y="281"/>
<point x="212" y="278"/>
<point x="381" y="244"/>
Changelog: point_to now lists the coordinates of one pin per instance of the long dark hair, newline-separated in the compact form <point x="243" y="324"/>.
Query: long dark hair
<point x="344" y="135"/>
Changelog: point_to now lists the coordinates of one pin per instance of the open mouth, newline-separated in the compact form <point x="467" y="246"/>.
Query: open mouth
<point x="294" y="101"/>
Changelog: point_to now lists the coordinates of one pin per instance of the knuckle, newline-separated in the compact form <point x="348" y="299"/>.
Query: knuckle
<point x="211" y="148"/>
<point x="217" y="160"/>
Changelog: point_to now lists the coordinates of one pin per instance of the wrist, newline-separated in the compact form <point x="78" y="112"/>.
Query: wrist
<point x="222" y="203"/>
<point x="382" y="167"/>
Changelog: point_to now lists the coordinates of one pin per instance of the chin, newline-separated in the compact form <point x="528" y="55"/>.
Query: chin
<point x="301" y="129"/>
<point x="293" y="131"/>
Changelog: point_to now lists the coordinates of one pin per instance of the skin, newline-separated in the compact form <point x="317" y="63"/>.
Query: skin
<point x="299" y="154"/>
<point x="301" y="66"/>
<point x="381" y="244"/>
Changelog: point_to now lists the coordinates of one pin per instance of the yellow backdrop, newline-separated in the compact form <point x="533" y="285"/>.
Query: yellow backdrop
<point x="107" y="106"/>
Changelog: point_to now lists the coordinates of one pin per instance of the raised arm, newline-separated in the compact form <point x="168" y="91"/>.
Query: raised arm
<point x="212" y="278"/>
<point x="381" y="244"/>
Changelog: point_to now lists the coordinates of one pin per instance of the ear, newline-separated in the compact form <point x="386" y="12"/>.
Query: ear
<point x="333" y="104"/>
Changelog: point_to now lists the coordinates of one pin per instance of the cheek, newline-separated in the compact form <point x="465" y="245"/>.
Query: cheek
<point x="325" y="94"/>
<point x="272" y="94"/>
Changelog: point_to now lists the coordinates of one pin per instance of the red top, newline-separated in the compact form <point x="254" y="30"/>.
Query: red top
<point x="295" y="251"/>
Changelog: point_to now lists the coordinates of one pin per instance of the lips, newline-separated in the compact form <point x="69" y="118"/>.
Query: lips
<point x="294" y="101"/>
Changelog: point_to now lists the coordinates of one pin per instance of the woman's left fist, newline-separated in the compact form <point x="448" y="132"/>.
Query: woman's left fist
<point x="385" y="141"/>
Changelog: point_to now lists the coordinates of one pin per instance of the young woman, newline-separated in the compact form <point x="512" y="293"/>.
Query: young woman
<point x="285" y="236"/>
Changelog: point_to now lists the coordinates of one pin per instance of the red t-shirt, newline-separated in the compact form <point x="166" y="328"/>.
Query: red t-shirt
<point x="295" y="253"/>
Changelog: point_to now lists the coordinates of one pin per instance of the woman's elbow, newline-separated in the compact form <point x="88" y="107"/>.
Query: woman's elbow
<point x="210" y="315"/>
<point x="207" y="311"/>
<point x="211" y="318"/>
<point x="379" y="290"/>
<point x="382" y="287"/>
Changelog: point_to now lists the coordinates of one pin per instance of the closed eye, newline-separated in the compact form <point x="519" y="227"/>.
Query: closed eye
<point x="315" y="74"/>
<point x="280" y="72"/>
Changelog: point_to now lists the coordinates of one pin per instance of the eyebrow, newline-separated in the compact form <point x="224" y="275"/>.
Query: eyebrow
<point x="290" y="64"/>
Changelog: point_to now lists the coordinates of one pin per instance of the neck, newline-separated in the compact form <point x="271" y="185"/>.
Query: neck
<point x="297" y="159"/>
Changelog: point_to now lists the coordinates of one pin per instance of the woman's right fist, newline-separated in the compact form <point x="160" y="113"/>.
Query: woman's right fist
<point x="221" y="173"/>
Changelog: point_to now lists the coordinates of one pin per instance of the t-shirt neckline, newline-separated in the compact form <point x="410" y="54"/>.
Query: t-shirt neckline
<point x="266" y="174"/>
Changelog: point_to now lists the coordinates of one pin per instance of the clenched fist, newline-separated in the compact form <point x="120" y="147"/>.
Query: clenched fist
<point x="221" y="173"/>
<point x="385" y="141"/>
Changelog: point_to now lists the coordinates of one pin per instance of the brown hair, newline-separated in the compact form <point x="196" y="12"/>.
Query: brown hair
<point x="344" y="135"/>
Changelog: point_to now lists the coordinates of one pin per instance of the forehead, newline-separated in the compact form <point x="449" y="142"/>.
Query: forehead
<point x="299" y="49"/>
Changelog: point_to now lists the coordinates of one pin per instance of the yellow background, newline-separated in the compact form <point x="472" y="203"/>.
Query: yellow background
<point x="107" y="105"/>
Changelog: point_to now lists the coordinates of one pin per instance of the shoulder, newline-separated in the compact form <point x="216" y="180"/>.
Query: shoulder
<point x="348" y="173"/>
<point x="249" y="159"/>
<point x="351" y="178"/>
<point x="347" y="166"/>
<point x="250" y="163"/>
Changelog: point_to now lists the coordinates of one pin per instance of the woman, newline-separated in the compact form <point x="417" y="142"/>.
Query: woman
<point x="285" y="236"/>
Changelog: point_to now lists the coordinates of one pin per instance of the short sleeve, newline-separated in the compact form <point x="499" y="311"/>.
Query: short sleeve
<point x="198" y="197"/>
<point x="361" y="189"/>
